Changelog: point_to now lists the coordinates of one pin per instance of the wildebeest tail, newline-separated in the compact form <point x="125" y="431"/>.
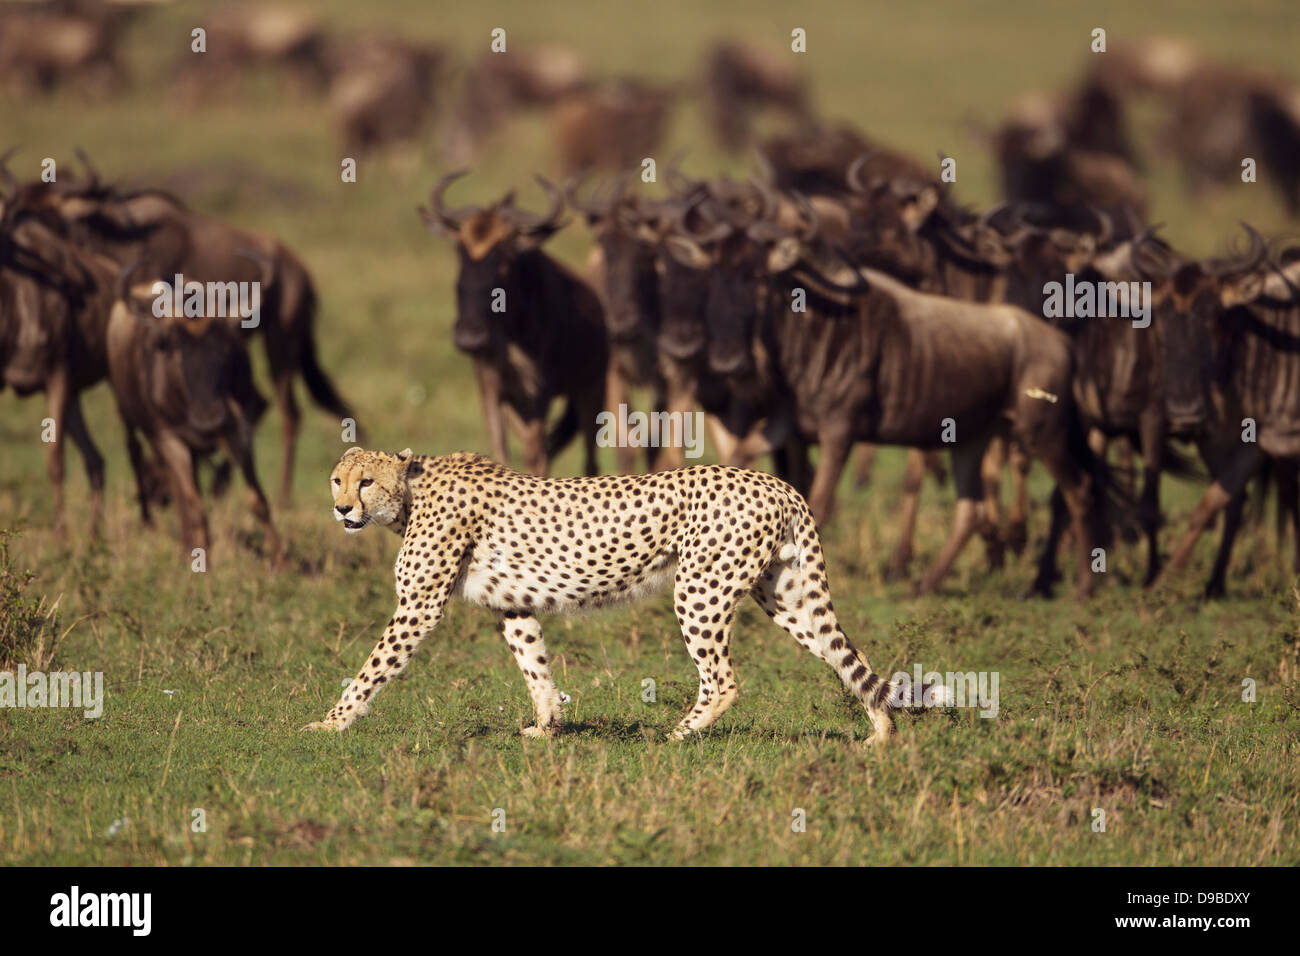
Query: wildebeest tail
<point x="563" y="431"/>
<point x="319" y="384"/>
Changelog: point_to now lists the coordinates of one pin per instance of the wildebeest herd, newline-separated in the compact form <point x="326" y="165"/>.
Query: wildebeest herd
<point x="839" y="297"/>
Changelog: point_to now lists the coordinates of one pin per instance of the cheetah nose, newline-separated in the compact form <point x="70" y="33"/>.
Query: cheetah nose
<point x="342" y="509"/>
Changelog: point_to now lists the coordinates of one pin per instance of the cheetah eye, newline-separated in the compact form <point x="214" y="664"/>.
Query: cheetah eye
<point x="337" y="482"/>
<point x="367" y="482"/>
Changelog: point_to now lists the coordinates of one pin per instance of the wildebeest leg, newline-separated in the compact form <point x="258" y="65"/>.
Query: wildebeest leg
<point x="57" y="394"/>
<point x="1018" y="516"/>
<point x="1151" y="433"/>
<point x="76" y="426"/>
<point x="864" y="457"/>
<point x="835" y="441"/>
<point x="291" y="416"/>
<point x="143" y="478"/>
<point x="533" y="433"/>
<point x="1215" y="586"/>
<point x="679" y="400"/>
<point x="991" y="523"/>
<point x="587" y="404"/>
<point x="723" y="441"/>
<point x="1230" y="480"/>
<point x="489" y="390"/>
<point x="913" y="478"/>
<point x="189" y="505"/>
<point x="240" y="451"/>
<point x="1048" y="574"/>
<point x="616" y="392"/>
<point x="967" y="460"/>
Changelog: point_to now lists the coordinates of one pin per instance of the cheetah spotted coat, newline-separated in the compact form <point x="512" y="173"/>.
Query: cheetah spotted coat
<point x="523" y="545"/>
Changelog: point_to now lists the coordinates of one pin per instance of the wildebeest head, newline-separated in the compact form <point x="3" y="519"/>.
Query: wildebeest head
<point x="491" y="242"/>
<point x="1195" y="298"/>
<point x="744" y="246"/>
<point x="627" y="231"/>
<point x="195" y="371"/>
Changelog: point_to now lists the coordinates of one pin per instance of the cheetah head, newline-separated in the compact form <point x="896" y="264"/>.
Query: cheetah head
<point x="370" y="488"/>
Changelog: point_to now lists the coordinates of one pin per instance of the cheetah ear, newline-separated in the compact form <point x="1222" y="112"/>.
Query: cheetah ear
<point x="404" y="455"/>
<point x="352" y="451"/>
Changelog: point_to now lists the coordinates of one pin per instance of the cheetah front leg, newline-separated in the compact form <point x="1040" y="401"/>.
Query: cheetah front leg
<point x="523" y="632"/>
<point x="417" y="614"/>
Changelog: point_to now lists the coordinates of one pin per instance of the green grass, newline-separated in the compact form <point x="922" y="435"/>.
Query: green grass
<point x="1131" y="704"/>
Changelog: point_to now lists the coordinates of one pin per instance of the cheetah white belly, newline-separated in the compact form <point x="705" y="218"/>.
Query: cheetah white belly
<point x="580" y="580"/>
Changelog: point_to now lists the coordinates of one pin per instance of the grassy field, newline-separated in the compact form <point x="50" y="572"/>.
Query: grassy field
<point x="1131" y="704"/>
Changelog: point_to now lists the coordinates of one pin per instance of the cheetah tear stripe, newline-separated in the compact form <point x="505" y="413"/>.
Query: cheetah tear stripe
<point x="523" y="545"/>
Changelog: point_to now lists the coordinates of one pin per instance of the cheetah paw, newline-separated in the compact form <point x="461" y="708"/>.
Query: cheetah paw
<point x="536" y="731"/>
<point x="323" y="725"/>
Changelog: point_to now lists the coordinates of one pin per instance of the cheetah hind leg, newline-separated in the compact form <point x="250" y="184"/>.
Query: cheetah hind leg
<point x="706" y="628"/>
<point x="796" y="596"/>
<point x="523" y="633"/>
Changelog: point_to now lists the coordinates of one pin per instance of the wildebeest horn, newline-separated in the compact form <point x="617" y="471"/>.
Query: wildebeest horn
<point x="1251" y="260"/>
<point x="765" y="166"/>
<point x="1105" y="228"/>
<point x="771" y="202"/>
<point x="814" y="221"/>
<point x="530" y="224"/>
<point x="857" y="285"/>
<point x="124" y="290"/>
<point x="854" y="176"/>
<point x="91" y="171"/>
<point x="450" y="218"/>
<point x="593" y="206"/>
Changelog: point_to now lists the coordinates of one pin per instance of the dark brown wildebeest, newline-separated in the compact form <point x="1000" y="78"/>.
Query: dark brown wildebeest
<point x="535" y="330"/>
<point x="54" y="302"/>
<point x="1232" y="364"/>
<point x="814" y="162"/>
<point x="46" y="44"/>
<point x="383" y="90"/>
<point x="158" y="234"/>
<point x="740" y="81"/>
<point x="1051" y="153"/>
<point x="871" y="360"/>
<point x="610" y="126"/>
<point x="185" y="384"/>
<point x="624" y="264"/>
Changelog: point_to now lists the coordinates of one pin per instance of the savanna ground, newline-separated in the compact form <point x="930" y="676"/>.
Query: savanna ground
<point x="1131" y="704"/>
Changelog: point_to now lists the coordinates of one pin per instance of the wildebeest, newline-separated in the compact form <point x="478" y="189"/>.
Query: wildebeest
<point x="242" y="37"/>
<point x="612" y="125"/>
<point x="868" y="359"/>
<point x="382" y="90"/>
<point x="535" y="330"/>
<point x="624" y="263"/>
<point x="46" y="44"/>
<point x="740" y="81"/>
<point x="1232" y="364"/>
<point x="1070" y="153"/>
<point x="54" y="302"/>
<point x="162" y="237"/>
<point x="187" y="386"/>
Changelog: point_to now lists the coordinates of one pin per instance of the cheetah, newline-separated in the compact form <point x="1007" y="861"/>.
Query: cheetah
<point x="523" y="545"/>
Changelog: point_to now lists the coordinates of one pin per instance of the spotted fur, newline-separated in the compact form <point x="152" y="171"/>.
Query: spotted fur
<point x="523" y="545"/>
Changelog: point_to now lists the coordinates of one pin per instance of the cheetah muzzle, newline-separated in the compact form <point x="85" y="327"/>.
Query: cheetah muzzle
<point x="523" y="545"/>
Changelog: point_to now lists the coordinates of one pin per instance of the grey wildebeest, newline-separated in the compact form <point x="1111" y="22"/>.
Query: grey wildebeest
<point x="1232" y="364"/>
<point x="186" y="385"/>
<point x="160" y="236"/>
<point x="869" y="359"/>
<point x="54" y="302"/>
<point x="535" y="329"/>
